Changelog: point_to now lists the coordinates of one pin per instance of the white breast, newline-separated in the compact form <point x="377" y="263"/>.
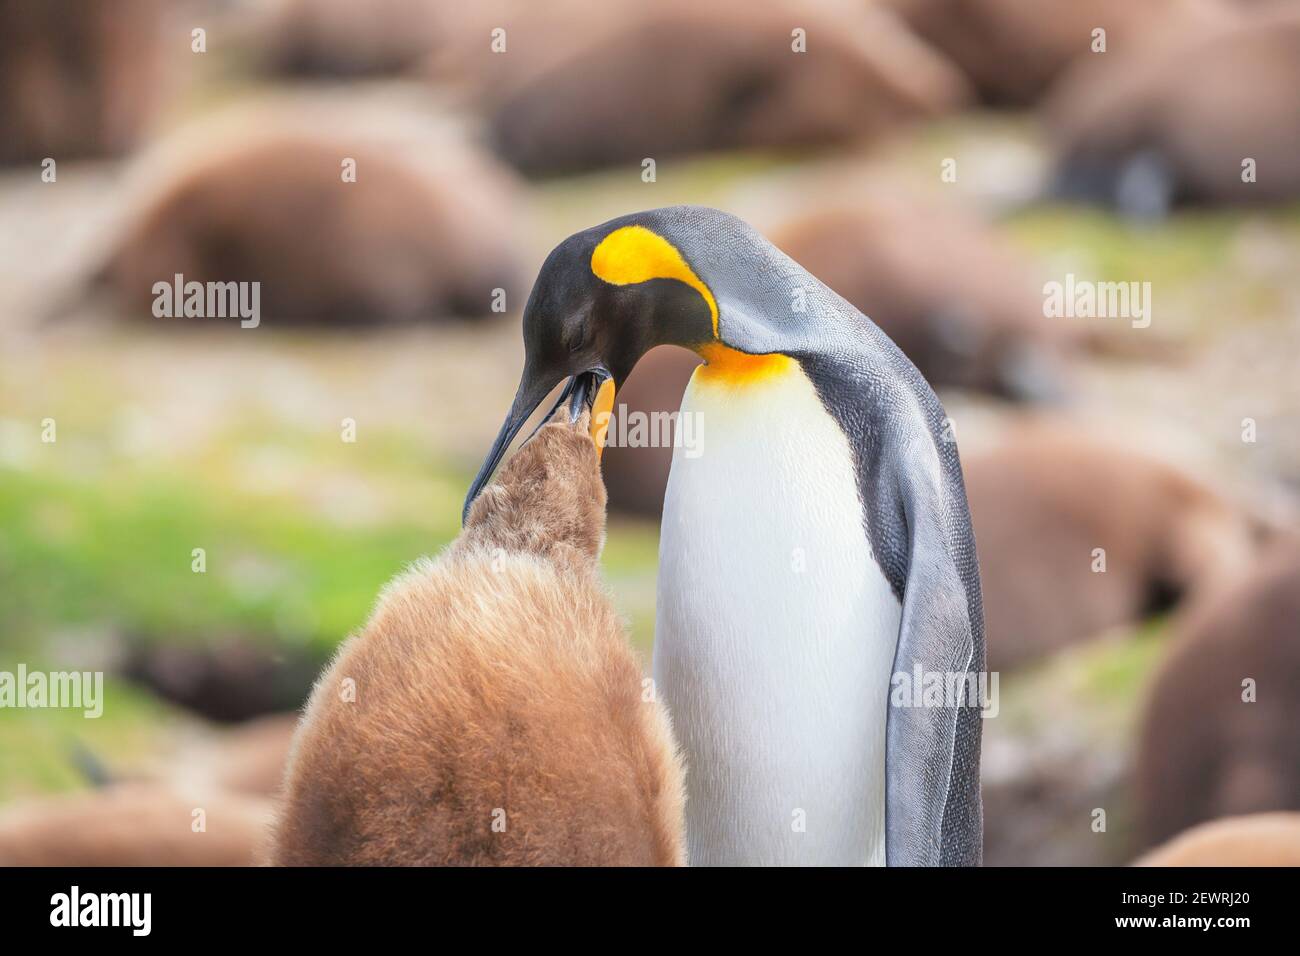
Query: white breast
<point x="775" y="632"/>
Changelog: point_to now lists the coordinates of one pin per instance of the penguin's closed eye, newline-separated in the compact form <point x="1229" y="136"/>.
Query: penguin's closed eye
<point x="577" y="333"/>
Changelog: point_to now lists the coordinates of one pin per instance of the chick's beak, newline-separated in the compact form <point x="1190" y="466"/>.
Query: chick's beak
<point x="592" y="390"/>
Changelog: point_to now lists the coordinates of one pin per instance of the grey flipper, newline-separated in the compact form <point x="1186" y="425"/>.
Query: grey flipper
<point x="917" y="520"/>
<point x="932" y="808"/>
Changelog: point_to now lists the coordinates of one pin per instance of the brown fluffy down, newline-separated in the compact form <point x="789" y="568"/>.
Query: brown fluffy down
<point x="1261" y="839"/>
<point x="343" y="38"/>
<point x="1012" y="50"/>
<point x="397" y="245"/>
<point x="248" y="758"/>
<point x="135" y="824"/>
<point x="1192" y="110"/>
<point x="1204" y="752"/>
<point x="678" y="77"/>
<point x="79" y="78"/>
<point x="1049" y="494"/>
<point x="491" y="712"/>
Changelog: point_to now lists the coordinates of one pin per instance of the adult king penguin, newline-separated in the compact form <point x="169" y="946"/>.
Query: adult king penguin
<point x="816" y="556"/>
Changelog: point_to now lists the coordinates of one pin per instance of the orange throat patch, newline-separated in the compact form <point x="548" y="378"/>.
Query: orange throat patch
<point x="601" y="409"/>
<point x="728" y="366"/>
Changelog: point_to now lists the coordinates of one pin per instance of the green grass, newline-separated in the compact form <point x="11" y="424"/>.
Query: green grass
<point x="37" y="747"/>
<point x="76" y="552"/>
<point x="630" y="562"/>
<point x="1203" y="266"/>
<point x="1116" y="673"/>
<point x="1098" y="684"/>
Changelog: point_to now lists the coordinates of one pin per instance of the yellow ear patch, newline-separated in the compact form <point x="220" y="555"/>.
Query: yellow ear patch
<point x="633" y="254"/>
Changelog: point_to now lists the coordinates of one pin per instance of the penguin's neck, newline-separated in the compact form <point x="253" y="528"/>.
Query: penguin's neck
<point x="729" y="368"/>
<point x="776" y="628"/>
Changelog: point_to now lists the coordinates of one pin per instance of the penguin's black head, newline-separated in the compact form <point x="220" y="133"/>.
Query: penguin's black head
<point x="604" y="297"/>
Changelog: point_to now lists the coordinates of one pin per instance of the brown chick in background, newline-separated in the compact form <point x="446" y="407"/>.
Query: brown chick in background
<point x="248" y="758"/>
<point x="1150" y="129"/>
<point x="345" y="39"/>
<point x="1204" y="749"/>
<point x="636" y="475"/>
<point x="1260" y="839"/>
<point x="963" y="306"/>
<point x="393" y="246"/>
<point x="681" y="77"/>
<point x="136" y="824"/>
<point x="1046" y="496"/>
<point x="1013" y="50"/>
<point x="78" y="78"/>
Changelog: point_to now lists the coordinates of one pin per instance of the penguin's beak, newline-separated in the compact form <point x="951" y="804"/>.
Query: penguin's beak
<point x="580" y="394"/>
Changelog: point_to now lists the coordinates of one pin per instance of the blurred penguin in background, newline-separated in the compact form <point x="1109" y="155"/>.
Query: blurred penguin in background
<point x="342" y="38"/>
<point x="136" y="824"/>
<point x="391" y="245"/>
<point x="1013" y="50"/>
<point x="78" y="78"/>
<point x="1220" y="734"/>
<point x="961" y="304"/>
<point x="1211" y="116"/>
<point x="737" y="80"/>
<point x="1047" y="497"/>
<point x="636" y="472"/>
<point x="1260" y="839"/>
<point x="248" y="758"/>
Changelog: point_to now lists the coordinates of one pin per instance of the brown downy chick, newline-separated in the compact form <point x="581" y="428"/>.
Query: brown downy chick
<point x="80" y="79"/>
<point x="136" y="824"/>
<point x="678" y="77"/>
<point x="492" y="712"/>
<point x="399" y="245"/>
<point x="1219" y="735"/>
<point x="248" y="758"/>
<point x="1050" y="493"/>
<point x="1258" y="839"/>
